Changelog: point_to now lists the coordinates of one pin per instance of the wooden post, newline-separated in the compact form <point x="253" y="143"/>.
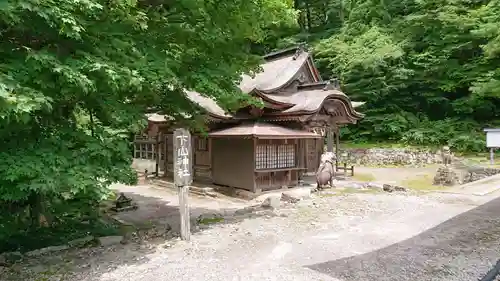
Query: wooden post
<point x="329" y="140"/>
<point x="157" y="151"/>
<point x="345" y="169"/>
<point x="337" y="141"/>
<point x="183" y="177"/>
<point x="492" y="156"/>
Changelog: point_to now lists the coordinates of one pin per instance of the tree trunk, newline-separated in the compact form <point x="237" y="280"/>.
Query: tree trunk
<point x="38" y="214"/>
<point x="308" y="15"/>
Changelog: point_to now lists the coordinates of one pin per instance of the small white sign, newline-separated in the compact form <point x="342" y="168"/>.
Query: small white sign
<point x="492" y="138"/>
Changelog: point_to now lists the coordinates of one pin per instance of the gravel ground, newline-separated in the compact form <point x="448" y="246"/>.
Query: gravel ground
<point x="351" y="237"/>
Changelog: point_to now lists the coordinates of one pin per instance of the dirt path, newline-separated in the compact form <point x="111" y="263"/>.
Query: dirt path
<point x="358" y="237"/>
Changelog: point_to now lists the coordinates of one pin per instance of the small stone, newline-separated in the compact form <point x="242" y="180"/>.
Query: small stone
<point x="110" y="240"/>
<point x="400" y="188"/>
<point x="388" y="188"/>
<point x="272" y="202"/>
<point x="294" y="196"/>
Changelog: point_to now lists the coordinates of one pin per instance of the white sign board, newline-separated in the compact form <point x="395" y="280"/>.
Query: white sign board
<point x="492" y="138"/>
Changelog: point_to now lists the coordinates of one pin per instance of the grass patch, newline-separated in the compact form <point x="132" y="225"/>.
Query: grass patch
<point x="421" y="182"/>
<point x="483" y="160"/>
<point x="207" y="221"/>
<point x="347" y="191"/>
<point x="363" y="177"/>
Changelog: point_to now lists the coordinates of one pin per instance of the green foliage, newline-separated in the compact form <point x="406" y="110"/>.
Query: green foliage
<point x="427" y="70"/>
<point x="76" y="77"/>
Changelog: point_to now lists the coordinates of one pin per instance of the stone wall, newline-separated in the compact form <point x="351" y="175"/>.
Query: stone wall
<point x="393" y="156"/>
<point x="477" y="173"/>
<point x="462" y="174"/>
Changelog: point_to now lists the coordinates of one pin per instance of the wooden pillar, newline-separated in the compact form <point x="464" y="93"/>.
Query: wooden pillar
<point x="337" y="146"/>
<point x="165" y="154"/>
<point x="329" y="140"/>
<point x="337" y="141"/>
<point x="157" y="151"/>
<point x="492" y="156"/>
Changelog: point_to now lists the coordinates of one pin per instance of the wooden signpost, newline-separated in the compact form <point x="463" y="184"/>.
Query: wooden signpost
<point x="183" y="177"/>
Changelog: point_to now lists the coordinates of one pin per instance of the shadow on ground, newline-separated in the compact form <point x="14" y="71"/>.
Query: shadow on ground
<point x="467" y="245"/>
<point x="157" y="224"/>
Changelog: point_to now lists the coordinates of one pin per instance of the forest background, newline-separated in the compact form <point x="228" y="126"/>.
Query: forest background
<point x="428" y="70"/>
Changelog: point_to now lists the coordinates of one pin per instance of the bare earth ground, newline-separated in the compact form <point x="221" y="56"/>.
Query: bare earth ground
<point x="396" y="175"/>
<point x="352" y="237"/>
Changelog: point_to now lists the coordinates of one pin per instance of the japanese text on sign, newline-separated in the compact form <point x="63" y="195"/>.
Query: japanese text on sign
<point x="183" y="156"/>
<point x="182" y="149"/>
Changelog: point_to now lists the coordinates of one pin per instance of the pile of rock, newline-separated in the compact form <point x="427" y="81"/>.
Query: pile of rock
<point x="448" y="176"/>
<point x="394" y="156"/>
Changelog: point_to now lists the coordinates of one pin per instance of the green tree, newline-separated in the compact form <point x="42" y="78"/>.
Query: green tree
<point x="428" y="70"/>
<point x="77" y="75"/>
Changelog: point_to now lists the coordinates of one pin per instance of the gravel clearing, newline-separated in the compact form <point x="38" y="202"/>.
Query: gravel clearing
<point x="349" y="237"/>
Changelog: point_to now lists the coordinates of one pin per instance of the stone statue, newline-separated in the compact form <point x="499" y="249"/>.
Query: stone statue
<point x="326" y="171"/>
<point x="446" y="155"/>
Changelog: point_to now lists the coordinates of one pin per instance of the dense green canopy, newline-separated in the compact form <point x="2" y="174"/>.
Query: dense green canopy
<point x="76" y="77"/>
<point x="428" y="70"/>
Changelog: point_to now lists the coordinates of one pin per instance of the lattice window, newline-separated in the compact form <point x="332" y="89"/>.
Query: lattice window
<point x="275" y="156"/>
<point x="288" y="152"/>
<point x="201" y="144"/>
<point x="145" y="148"/>
<point x="260" y="157"/>
<point x="144" y="151"/>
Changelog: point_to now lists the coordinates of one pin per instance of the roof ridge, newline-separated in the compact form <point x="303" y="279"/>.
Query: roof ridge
<point x="296" y="50"/>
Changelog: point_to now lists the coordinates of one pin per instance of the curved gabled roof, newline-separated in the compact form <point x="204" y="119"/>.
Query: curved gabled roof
<point x="309" y="101"/>
<point x="275" y="73"/>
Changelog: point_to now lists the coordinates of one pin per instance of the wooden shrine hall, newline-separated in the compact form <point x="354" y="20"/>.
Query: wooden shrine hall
<point x="259" y="149"/>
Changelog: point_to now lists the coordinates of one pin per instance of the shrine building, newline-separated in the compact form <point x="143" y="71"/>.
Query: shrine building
<point x="259" y="149"/>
